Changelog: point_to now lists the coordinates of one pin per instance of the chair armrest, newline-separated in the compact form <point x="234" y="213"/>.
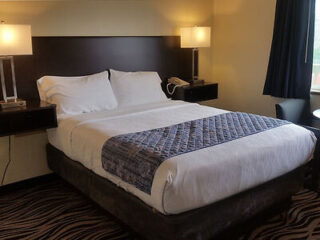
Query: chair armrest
<point x="316" y="131"/>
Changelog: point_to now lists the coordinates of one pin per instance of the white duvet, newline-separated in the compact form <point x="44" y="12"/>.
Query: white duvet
<point x="194" y="179"/>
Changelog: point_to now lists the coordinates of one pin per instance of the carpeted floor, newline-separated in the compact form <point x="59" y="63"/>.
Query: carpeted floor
<point x="300" y="222"/>
<point x="55" y="210"/>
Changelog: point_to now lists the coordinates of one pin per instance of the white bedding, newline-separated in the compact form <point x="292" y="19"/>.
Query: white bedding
<point x="189" y="180"/>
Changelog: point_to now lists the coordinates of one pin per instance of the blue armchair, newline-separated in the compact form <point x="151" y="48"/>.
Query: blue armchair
<point x="298" y="111"/>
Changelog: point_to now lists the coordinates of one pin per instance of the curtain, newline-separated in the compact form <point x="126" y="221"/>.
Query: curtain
<point x="290" y="66"/>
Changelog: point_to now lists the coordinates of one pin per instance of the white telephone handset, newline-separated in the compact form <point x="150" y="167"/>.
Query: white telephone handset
<point x="177" y="82"/>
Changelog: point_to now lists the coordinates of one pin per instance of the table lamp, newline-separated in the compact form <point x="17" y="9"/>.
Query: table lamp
<point x="195" y="37"/>
<point x="14" y="40"/>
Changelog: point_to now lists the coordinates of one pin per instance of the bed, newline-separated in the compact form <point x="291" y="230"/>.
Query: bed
<point x="196" y="194"/>
<point x="236" y="193"/>
<point x="191" y="180"/>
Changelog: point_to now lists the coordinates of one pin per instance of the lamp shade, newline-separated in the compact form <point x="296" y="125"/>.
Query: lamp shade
<point x="15" y="40"/>
<point x="195" y="37"/>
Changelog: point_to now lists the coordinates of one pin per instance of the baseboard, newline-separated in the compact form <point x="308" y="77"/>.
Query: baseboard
<point x="21" y="184"/>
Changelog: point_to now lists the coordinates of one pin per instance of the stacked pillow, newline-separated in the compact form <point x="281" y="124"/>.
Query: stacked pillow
<point x="92" y="93"/>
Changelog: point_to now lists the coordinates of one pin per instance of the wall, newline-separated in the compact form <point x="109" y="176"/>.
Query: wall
<point x="95" y="18"/>
<point x="243" y="32"/>
<point x="28" y="156"/>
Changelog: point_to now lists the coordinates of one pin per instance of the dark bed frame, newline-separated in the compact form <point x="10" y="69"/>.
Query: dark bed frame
<point x="73" y="56"/>
<point x="244" y="209"/>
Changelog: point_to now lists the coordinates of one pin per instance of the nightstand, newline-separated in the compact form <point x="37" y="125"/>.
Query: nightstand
<point x="37" y="115"/>
<point x="196" y="92"/>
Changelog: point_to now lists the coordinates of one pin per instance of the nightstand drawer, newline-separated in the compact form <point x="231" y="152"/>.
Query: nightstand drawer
<point x="13" y="121"/>
<point x="197" y="93"/>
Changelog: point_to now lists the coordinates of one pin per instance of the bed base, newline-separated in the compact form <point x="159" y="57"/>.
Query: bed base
<point x="213" y="221"/>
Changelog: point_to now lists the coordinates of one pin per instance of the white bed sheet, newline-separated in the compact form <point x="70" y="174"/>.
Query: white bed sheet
<point x="191" y="180"/>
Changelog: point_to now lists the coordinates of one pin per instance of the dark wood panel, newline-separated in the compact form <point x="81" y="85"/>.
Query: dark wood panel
<point x="36" y="115"/>
<point x="76" y="56"/>
<point x="197" y="92"/>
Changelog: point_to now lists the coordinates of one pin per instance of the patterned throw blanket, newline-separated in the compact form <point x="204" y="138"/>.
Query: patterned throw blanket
<point x="135" y="157"/>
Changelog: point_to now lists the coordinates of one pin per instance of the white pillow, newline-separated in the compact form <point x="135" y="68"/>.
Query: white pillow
<point x="76" y="95"/>
<point x="135" y="88"/>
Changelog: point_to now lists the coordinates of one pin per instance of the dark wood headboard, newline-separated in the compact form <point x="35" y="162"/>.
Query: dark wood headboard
<point x="76" y="56"/>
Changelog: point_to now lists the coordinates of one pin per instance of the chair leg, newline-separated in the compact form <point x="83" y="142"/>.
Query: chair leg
<point x="315" y="164"/>
<point x="316" y="168"/>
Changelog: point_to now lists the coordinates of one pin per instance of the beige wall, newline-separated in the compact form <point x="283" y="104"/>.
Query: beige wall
<point x="28" y="156"/>
<point x="243" y="32"/>
<point x="95" y="18"/>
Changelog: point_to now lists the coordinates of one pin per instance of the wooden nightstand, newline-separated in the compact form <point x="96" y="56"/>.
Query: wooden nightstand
<point x="196" y="92"/>
<point x="36" y="115"/>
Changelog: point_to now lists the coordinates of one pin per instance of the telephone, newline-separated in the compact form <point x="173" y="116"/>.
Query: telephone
<point x="177" y="82"/>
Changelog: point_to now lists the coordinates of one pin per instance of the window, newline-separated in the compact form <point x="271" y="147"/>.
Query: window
<point x="316" y="54"/>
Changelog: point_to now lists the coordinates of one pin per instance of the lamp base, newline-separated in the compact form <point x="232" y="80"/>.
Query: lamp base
<point x="12" y="103"/>
<point x="197" y="81"/>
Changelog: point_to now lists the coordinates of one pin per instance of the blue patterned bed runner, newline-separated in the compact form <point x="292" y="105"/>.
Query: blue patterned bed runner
<point x="135" y="157"/>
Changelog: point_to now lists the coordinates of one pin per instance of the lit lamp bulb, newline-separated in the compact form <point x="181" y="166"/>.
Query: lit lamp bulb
<point x="7" y="36"/>
<point x="200" y="35"/>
